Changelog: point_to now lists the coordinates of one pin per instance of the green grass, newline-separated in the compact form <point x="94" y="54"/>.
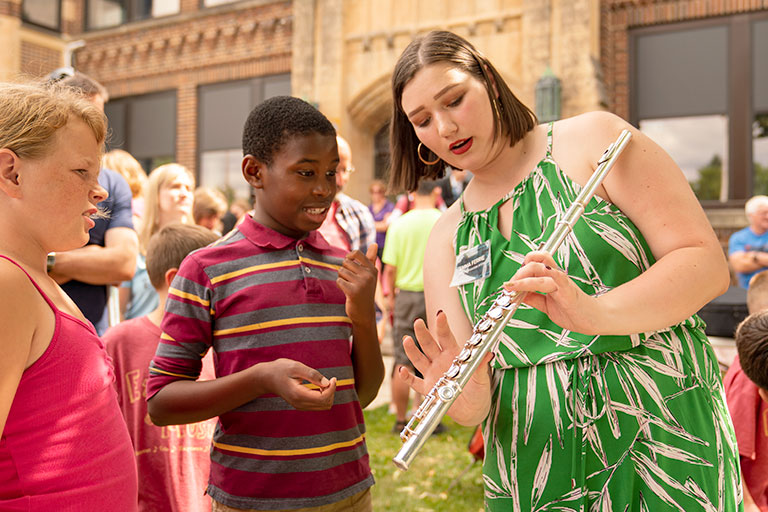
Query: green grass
<point x="434" y="480"/>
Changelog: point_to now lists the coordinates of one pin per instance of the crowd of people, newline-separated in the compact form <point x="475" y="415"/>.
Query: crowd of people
<point x="248" y="340"/>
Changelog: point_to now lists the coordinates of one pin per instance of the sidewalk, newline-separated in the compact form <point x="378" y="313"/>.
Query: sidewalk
<point x="384" y="392"/>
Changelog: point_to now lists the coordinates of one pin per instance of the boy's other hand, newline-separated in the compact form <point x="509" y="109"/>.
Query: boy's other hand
<point x="302" y="387"/>
<point x="357" y="279"/>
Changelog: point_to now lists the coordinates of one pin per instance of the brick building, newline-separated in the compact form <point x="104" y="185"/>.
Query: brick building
<point x="183" y="74"/>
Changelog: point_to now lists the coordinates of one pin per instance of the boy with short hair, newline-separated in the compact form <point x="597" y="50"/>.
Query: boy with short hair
<point x="746" y="392"/>
<point x="278" y="305"/>
<point x="172" y="462"/>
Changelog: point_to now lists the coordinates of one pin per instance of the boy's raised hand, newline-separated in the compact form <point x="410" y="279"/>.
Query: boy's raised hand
<point x="357" y="279"/>
<point x="286" y="378"/>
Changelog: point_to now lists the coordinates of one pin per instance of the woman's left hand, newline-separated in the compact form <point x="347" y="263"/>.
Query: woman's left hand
<point x="558" y="296"/>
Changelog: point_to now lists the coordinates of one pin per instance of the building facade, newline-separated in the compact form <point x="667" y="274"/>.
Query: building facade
<point x="183" y="74"/>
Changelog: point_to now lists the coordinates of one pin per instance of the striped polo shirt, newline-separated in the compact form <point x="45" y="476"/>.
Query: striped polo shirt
<point x="257" y="296"/>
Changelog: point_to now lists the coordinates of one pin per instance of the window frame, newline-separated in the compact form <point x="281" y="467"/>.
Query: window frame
<point x="127" y="121"/>
<point x="129" y="14"/>
<point x="739" y="111"/>
<point x="56" y="29"/>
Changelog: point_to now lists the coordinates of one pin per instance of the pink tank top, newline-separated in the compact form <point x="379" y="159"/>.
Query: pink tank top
<point x="65" y="446"/>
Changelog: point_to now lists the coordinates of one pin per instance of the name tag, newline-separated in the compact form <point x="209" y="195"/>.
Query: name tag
<point x="472" y="264"/>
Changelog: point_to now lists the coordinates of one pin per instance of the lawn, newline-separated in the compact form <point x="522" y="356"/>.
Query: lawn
<point x="435" y="480"/>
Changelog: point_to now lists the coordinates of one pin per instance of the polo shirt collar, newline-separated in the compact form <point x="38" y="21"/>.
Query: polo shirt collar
<point x="268" y="238"/>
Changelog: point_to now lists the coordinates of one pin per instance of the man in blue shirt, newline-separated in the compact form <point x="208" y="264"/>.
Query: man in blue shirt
<point x="748" y="248"/>
<point x="110" y="256"/>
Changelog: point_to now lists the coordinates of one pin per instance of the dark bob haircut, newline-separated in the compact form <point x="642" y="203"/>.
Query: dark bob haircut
<point x="512" y="119"/>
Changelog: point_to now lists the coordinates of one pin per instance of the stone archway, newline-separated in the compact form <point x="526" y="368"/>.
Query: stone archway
<point x="371" y="108"/>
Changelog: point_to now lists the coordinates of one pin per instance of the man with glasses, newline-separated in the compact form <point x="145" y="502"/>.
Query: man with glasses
<point x="349" y="224"/>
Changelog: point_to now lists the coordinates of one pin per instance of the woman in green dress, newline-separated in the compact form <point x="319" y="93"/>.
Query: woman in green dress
<point x="604" y="392"/>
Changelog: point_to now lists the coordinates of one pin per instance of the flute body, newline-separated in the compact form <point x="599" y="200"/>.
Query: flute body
<point x="487" y="332"/>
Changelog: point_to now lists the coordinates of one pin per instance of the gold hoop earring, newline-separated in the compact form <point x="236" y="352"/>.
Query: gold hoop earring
<point x="418" y="152"/>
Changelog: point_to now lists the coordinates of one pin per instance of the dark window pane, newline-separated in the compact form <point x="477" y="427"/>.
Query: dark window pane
<point x="115" y="111"/>
<point x="42" y="12"/>
<point x="682" y="73"/>
<point x="381" y="154"/>
<point x="277" y="85"/>
<point x="223" y="111"/>
<point x="699" y="146"/>
<point x="152" y="125"/>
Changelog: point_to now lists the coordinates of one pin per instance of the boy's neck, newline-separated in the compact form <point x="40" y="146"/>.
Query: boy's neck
<point x="156" y="316"/>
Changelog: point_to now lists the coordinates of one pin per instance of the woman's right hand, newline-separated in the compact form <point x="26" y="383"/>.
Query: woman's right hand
<point x="473" y="404"/>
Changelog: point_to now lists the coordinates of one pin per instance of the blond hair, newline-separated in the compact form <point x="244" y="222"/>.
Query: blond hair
<point x="128" y="167"/>
<point x="157" y="178"/>
<point x="208" y="201"/>
<point x="32" y="113"/>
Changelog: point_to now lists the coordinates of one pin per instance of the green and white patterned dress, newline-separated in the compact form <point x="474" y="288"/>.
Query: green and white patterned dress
<point x="595" y="423"/>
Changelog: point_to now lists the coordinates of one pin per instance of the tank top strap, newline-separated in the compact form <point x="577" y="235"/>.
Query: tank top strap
<point x="549" y="139"/>
<point x="48" y="300"/>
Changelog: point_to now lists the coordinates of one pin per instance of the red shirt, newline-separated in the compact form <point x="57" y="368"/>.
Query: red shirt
<point x="173" y="461"/>
<point x="750" y="421"/>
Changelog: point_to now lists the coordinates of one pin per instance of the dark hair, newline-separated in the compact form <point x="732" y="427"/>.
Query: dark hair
<point x="752" y="345"/>
<point x="78" y="81"/>
<point x="169" y="246"/>
<point x="426" y="187"/>
<point x="511" y="117"/>
<point x="273" y="121"/>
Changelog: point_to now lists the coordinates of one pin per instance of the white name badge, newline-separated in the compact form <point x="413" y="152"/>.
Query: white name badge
<point x="472" y="264"/>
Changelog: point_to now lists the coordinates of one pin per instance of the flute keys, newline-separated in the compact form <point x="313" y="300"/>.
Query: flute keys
<point x="485" y="325"/>
<point x="476" y="339"/>
<point x="453" y="371"/>
<point x="504" y="300"/>
<point x="464" y="355"/>
<point x="495" y="312"/>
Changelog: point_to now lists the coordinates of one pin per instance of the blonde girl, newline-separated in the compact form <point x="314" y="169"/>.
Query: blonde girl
<point x="64" y="443"/>
<point x="168" y="197"/>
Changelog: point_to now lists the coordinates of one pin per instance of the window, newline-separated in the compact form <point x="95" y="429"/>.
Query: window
<point x="760" y="116"/>
<point x="698" y="89"/>
<point x="45" y="13"/>
<point x="699" y="146"/>
<point x="681" y="102"/>
<point x="381" y="158"/>
<point x="110" y="13"/>
<point x="223" y="110"/>
<point x="145" y="126"/>
<point x="211" y="3"/>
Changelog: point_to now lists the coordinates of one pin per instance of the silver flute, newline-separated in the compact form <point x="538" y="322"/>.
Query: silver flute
<point x="486" y="332"/>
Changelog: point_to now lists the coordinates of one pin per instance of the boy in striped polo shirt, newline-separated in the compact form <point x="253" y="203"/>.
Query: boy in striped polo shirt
<point x="278" y="305"/>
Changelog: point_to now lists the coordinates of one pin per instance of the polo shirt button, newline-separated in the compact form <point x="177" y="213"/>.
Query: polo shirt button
<point x="308" y="270"/>
<point x="300" y="247"/>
